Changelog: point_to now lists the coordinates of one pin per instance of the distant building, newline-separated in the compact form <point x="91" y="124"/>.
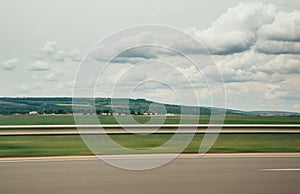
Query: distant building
<point x="76" y="114"/>
<point x="33" y="113"/>
<point x="170" y="114"/>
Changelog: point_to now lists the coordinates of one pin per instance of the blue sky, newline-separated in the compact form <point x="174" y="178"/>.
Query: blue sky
<point x="255" y="45"/>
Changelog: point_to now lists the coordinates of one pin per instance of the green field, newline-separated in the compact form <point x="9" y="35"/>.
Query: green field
<point x="69" y="120"/>
<point x="72" y="145"/>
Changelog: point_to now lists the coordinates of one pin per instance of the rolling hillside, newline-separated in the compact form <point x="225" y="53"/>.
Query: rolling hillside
<point x="63" y="105"/>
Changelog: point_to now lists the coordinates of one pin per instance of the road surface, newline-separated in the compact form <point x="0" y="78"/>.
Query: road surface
<point x="215" y="174"/>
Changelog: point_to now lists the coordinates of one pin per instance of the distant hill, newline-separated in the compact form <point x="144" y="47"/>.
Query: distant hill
<point x="63" y="105"/>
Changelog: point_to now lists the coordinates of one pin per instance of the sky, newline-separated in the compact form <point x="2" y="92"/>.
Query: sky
<point x="254" y="45"/>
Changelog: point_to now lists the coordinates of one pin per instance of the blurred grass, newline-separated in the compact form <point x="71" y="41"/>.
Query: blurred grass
<point x="203" y="119"/>
<point x="73" y="145"/>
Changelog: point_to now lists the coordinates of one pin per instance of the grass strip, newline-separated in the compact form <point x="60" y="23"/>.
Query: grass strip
<point x="64" y="145"/>
<point x="203" y="119"/>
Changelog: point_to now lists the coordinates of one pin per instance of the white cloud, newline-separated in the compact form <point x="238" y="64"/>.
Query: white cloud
<point x="278" y="47"/>
<point x="150" y="42"/>
<point x="48" y="48"/>
<point x="51" y="53"/>
<point x="286" y="27"/>
<point x="241" y="67"/>
<point x="51" y="76"/>
<point x="273" y="92"/>
<point x="255" y="66"/>
<point x="75" y="55"/>
<point x="142" y="52"/>
<point x="241" y="28"/>
<point x="10" y="64"/>
<point x="282" y="64"/>
<point x="235" y="31"/>
<point x="39" y="66"/>
<point x="282" y="36"/>
<point x="256" y="96"/>
<point x="59" y="55"/>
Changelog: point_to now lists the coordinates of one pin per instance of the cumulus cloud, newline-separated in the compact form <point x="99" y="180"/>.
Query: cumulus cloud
<point x="51" y="76"/>
<point x="50" y="52"/>
<point x="142" y="52"/>
<point x="150" y="77"/>
<point x="257" y="67"/>
<point x="278" y="47"/>
<point x="286" y="27"/>
<point x="241" y="28"/>
<point x="10" y="64"/>
<point x="75" y="55"/>
<point x="39" y="66"/>
<point x="127" y="60"/>
<point x="139" y="55"/>
<point x="282" y="64"/>
<point x="235" y="31"/>
<point x="273" y="92"/>
<point x="258" y="96"/>
<point x="282" y="36"/>
<point x="255" y="25"/>
<point x="146" y="43"/>
<point x="59" y="55"/>
<point x="48" y="48"/>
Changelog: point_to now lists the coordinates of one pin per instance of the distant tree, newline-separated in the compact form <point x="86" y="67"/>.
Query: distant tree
<point x="61" y="111"/>
<point x="48" y="111"/>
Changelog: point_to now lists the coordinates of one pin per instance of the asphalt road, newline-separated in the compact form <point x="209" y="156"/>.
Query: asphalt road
<point x="187" y="174"/>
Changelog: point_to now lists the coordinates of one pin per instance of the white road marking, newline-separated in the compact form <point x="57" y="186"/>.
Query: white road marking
<point x="149" y="156"/>
<point x="281" y="169"/>
<point x="47" y="160"/>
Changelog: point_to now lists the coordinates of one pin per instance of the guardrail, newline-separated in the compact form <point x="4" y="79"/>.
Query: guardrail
<point x="12" y="130"/>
